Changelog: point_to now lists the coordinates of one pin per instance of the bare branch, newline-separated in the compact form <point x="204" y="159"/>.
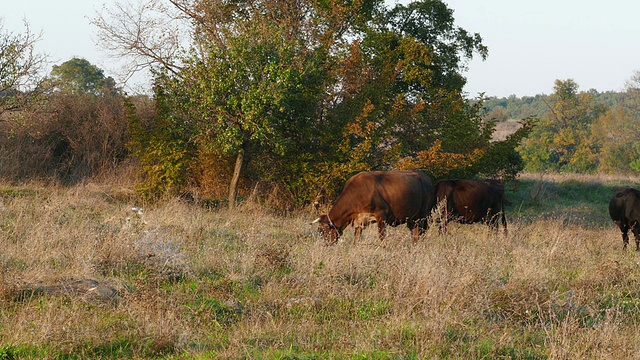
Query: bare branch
<point x="20" y="67"/>
<point x="147" y="33"/>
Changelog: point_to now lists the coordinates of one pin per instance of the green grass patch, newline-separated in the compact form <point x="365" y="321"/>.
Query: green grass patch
<point x="580" y="202"/>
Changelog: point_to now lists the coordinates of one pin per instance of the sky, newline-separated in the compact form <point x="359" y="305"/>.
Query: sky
<point x="531" y="43"/>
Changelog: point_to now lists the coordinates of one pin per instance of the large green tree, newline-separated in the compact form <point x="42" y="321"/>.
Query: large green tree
<point x="79" y="76"/>
<point x="304" y="92"/>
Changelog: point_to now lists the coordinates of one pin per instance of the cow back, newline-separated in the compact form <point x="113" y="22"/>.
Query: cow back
<point x="625" y="205"/>
<point x="396" y="196"/>
<point x="470" y="199"/>
<point x="405" y="194"/>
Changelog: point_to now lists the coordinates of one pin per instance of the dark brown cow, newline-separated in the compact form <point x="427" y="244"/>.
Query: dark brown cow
<point x="382" y="197"/>
<point x="624" y="209"/>
<point x="470" y="201"/>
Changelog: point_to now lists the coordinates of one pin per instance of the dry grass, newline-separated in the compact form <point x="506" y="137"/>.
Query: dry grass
<point x="505" y="128"/>
<point x="192" y="282"/>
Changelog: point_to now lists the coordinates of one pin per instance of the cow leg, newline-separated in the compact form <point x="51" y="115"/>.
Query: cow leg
<point x="415" y="234"/>
<point x="493" y="221"/>
<point x="357" y="234"/>
<point x="625" y="236"/>
<point x="443" y="225"/>
<point x="381" y="229"/>
<point x="636" y="235"/>
<point x="504" y="223"/>
<point x="417" y="229"/>
<point x="444" y="219"/>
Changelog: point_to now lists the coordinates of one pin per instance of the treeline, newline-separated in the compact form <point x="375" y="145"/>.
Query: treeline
<point x="513" y="108"/>
<point x="577" y="131"/>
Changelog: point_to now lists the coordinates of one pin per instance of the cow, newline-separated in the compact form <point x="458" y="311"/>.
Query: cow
<point x="624" y="209"/>
<point x="469" y="201"/>
<point x="380" y="197"/>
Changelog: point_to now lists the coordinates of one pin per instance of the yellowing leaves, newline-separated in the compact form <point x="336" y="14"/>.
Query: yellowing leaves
<point x="439" y="163"/>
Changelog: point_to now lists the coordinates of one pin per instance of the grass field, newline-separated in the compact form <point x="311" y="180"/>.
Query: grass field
<point x="82" y="275"/>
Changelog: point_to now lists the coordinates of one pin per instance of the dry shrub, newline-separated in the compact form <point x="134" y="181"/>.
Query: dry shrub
<point x="211" y="175"/>
<point x="273" y="257"/>
<point x="67" y="137"/>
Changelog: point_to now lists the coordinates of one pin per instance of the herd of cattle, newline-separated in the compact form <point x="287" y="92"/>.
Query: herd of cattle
<point x="409" y="197"/>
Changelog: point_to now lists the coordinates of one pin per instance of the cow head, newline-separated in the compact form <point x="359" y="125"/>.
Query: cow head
<point x="329" y="232"/>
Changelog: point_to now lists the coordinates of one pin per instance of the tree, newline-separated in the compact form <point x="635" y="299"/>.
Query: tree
<point x="256" y="72"/>
<point x="163" y="145"/>
<point x="303" y="92"/>
<point x="149" y="33"/>
<point x="77" y="76"/>
<point x="563" y="140"/>
<point x="263" y="84"/>
<point x="616" y="132"/>
<point x="401" y="92"/>
<point x="625" y="131"/>
<point x="20" y="66"/>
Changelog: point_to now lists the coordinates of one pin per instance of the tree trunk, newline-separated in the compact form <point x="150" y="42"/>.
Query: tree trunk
<point x="233" y="187"/>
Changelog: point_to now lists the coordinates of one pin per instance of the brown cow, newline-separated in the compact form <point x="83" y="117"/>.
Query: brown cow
<point x="382" y="197"/>
<point x="624" y="209"/>
<point x="470" y="201"/>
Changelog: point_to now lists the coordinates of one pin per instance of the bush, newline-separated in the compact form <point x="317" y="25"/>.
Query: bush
<point x="67" y="137"/>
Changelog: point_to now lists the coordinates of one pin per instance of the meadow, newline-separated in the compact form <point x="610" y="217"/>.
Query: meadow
<point x="85" y="273"/>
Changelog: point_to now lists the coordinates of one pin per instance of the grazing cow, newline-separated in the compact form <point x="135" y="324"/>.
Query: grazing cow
<point x="382" y="197"/>
<point x="470" y="201"/>
<point x="624" y="209"/>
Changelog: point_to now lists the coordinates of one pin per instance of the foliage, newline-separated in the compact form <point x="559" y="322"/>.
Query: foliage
<point x="162" y="146"/>
<point x="79" y="76"/>
<point x="513" y="107"/>
<point x="617" y="131"/>
<point x="441" y="164"/>
<point x="501" y="159"/>
<point x="305" y="94"/>
<point x="562" y="140"/>
<point x="400" y="95"/>
<point x="608" y="143"/>
<point x="496" y="159"/>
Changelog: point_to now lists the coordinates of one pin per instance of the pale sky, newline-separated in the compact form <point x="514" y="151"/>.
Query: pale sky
<point x="64" y="24"/>
<point x="531" y="43"/>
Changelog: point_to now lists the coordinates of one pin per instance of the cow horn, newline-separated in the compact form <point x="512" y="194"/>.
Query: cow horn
<point x="315" y="221"/>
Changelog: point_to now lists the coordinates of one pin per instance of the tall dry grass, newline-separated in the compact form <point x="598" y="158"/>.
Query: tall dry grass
<point x="192" y="282"/>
